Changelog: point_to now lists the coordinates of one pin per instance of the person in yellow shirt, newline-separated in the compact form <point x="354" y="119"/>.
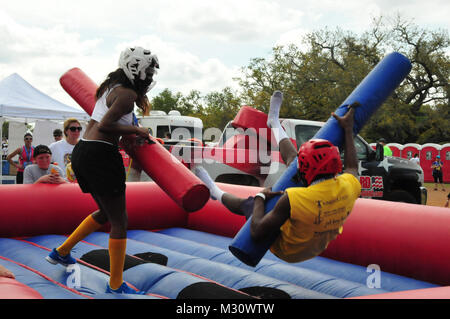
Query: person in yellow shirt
<point x="307" y="218"/>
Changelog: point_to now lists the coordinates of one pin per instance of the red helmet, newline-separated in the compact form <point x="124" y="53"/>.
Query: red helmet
<point x="317" y="157"/>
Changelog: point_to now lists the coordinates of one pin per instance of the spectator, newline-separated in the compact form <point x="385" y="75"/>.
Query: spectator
<point x="4" y="272"/>
<point x="415" y="159"/>
<point x="437" y="172"/>
<point x="4" y="148"/>
<point x="386" y="150"/>
<point x="25" y="157"/>
<point x="167" y="136"/>
<point x="62" y="149"/>
<point x="43" y="171"/>
<point x="57" y="135"/>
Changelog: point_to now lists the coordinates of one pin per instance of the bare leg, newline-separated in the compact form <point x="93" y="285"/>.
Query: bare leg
<point x="233" y="203"/>
<point x="287" y="149"/>
<point x="114" y="208"/>
<point x="99" y="216"/>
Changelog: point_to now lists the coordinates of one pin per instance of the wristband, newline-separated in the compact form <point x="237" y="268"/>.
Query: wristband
<point x="261" y="195"/>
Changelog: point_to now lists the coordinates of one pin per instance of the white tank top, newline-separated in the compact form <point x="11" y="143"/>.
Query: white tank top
<point x="101" y="108"/>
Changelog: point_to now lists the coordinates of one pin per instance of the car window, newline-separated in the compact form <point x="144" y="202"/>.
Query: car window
<point x="304" y="133"/>
<point x="161" y="131"/>
<point x="361" y="149"/>
<point x="183" y="132"/>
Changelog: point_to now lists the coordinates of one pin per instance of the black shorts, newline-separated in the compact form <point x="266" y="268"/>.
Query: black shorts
<point x="98" y="168"/>
<point x="437" y="175"/>
<point x="19" y="177"/>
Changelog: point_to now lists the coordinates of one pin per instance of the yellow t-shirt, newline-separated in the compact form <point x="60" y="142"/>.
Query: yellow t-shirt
<point x="317" y="215"/>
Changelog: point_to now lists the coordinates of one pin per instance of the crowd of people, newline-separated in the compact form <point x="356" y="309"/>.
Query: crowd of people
<point x="47" y="163"/>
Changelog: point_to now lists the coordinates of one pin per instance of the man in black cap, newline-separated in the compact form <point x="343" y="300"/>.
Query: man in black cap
<point x="57" y="134"/>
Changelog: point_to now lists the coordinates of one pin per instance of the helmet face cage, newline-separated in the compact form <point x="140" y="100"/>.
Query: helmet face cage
<point x="318" y="157"/>
<point x="135" y="61"/>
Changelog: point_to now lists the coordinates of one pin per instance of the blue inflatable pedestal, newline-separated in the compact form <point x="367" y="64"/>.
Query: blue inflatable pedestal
<point x="371" y="94"/>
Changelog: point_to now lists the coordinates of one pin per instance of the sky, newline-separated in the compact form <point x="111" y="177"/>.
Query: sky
<point x="201" y="45"/>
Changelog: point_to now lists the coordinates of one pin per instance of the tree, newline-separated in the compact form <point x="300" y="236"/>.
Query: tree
<point x="191" y="104"/>
<point x="166" y="101"/>
<point x="317" y="79"/>
<point x="221" y="107"/>
<point x="5" y="129"/>
<point x="435" y="124"/>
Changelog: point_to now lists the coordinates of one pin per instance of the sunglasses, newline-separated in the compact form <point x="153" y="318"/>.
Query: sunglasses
<point x="28" y="138"/>
<point x="75" y="128"/>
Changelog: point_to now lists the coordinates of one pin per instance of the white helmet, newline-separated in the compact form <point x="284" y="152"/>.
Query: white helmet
<point x="134" y="62"/>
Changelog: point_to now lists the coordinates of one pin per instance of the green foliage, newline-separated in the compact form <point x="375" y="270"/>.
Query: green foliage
<point x="435" y="124"/>
<point x="5" y="129"/>
<point x="215" y="109"/>
<point x="316" y="80"/>
<point x="221" y="107"/>
<point x="317" y="74"/>
<point x="166" y="101"/>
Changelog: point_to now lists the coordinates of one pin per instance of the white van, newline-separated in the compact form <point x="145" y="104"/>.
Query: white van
<point x="180" y="127"/>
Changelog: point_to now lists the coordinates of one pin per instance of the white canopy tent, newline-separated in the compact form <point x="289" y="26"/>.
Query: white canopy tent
<point x="19" y="100"/>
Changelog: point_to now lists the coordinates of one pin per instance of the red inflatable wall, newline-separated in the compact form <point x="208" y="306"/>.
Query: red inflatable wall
<point x="37" y="209"/>
<point x="13" y="289"/>
<point x="430" y="293"/>
<point x="405" y="239"/>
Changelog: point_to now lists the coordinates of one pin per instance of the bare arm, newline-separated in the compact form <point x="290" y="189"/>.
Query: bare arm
<point x="121" y="103"/>
<point x="10" y="157"/>
<point x="346" y="122"/>
<point x="51" y="179"/>
<point x="264" y="224"/>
